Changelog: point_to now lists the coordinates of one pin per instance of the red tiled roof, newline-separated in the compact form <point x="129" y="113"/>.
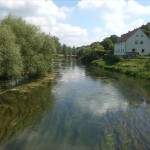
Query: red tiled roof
<point x="124" y="37"/>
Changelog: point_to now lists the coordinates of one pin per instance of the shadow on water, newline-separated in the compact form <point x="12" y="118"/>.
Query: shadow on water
<point x="19" y="110"/>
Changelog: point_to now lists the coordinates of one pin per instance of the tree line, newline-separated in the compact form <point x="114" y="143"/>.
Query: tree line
<point x="67" y="51"/>
<point x="104" y="49"/>
<point x="25" y="49"/>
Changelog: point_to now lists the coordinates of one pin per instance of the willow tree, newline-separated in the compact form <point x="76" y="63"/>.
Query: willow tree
<point x="25" y="36"/>
<point x="10" y="57"/>
<point x="37" y="48"/>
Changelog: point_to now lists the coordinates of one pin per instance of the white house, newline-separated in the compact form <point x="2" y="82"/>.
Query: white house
<point x="135" y="41"/>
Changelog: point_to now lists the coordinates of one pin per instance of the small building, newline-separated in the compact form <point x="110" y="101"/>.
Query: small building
<point x="133" y="43"/>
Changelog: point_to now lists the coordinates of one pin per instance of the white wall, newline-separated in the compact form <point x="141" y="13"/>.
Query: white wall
<point x="120" y="48"/>
<point x="138" y="37"/>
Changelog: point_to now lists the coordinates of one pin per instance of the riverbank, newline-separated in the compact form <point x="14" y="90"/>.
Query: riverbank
<point x="31" y="85"/>
<point x="137" y="67"/>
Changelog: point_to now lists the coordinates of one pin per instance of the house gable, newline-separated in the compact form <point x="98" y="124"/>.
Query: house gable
<point x="135" y="41"/>
<point x="139" y="42"/>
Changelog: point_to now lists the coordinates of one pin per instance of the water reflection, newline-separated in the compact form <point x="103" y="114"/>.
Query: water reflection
<point x="104" y="112"/>
<point x="19" y="110"/>
<point x="134" y="90"/>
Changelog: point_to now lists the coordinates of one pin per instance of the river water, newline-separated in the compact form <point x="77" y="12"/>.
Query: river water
<point x="81" y="110"/>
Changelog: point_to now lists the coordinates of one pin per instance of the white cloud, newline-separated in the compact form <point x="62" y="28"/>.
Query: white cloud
<point x="34" y="8"/>
<point x="71" y="35"/>
<point x="119" y="16"/>
<point x="12" y="4"/>
<point x="99" y="34"/>
<point x="109" y="4"/>
<point x="134" y="8"/>
<point x="97" y="30"/>
<point x="86" y="4"/>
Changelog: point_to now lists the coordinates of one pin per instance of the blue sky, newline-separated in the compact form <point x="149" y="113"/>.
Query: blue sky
<point x="80" y="22"/>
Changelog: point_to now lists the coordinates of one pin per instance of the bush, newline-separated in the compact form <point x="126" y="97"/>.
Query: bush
<point x="111" y="59"/>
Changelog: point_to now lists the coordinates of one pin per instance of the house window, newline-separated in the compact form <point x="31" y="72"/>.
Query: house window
<point x="136" y="42"/>
<point x="141" y="42"/>
<point x="143" y="50"/>
<point x="133" y="50"/>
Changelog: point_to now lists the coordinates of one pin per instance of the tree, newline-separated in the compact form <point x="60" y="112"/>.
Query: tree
<point x="26" y="36"/>
<point x="74" y="51"/>
<point x="146" y="29"/>
<point x="108" y="44"/>
<point x="57" y="45"/>
<point x="97" y="46"/>
<point x="65" y="50"/>
<point x="114" y="38"/>
<point x="10" y="57"/>
<point x="70" y="51"/>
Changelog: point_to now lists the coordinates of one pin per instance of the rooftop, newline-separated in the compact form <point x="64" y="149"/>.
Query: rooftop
<point x="124" y="37"/>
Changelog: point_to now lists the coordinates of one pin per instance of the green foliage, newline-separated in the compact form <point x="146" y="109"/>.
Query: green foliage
<point x="65" y="50"/>
<point x="108" y="44"/>
<point x="68" y="51"/>
<point x="90" y="53"/>
<point x="57" y="45"/>
<point x="27" y="50"/>
<point x="114" y="38"/>
<point x="146" y="29"/>
<point x="74" y="52"/>
<point x="147" y="64"/>
<point x="97" y="45"/>
<point x="111" y="59"/>
<point x="10" y="56"/>
<point x="98" y="50"/>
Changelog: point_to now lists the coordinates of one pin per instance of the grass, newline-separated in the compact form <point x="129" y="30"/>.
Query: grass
<point x="132" y="67"/>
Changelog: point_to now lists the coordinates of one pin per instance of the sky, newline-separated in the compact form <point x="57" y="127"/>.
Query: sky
<point x="80" y="22"/>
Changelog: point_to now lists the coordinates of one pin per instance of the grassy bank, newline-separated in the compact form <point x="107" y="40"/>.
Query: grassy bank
<point x="138" y="67"/>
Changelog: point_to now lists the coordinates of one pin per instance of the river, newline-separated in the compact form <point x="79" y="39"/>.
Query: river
<point x="82" y="109"/>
